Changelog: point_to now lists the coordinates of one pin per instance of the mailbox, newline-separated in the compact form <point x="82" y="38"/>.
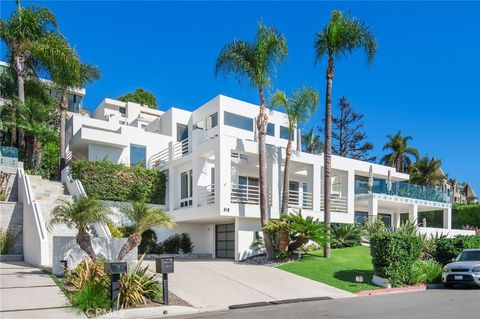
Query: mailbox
<point x="115" y="267"/>
<point x="164" y="265"/>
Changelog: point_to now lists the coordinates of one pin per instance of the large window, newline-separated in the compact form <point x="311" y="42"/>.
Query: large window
<point x="138" y="155"/>
<point x="182" y="132"/>
<point x="186" y="188"/>
<point x="271" y="129"/>
<point x="284" y="133"/>
<point x="238" y="121"/>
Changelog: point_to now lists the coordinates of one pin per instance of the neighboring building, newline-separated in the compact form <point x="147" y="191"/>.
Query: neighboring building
<point x="210" y="156"/>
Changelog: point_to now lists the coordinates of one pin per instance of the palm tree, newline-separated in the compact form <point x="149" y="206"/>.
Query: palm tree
<point x="33" y="117"/>
<point x="67" y="78"/>
<point x="426" y="171"/>
<point x="340" y="36"/>
<point x="312" y="143"/>
<point x="80" y="214"/>
<point x="143" y="218"/>
<point x="298" y="109"/>
<point x="400" y="152"/>
<point x="32" y="40"/>
<point x="255" y="62"/>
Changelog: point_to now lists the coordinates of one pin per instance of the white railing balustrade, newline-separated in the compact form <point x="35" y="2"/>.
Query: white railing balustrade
<point x="300" y="199"/>
<point x="248" y="194"/>
<point x="159" y="159"/>
<point x="181" y="149"/>
<point x="206" y="195"/>
<point x="178" y="150"/>
<point x="337" y="204"/>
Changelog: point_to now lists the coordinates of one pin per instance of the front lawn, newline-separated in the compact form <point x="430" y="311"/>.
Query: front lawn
<point x="339" y="271"/>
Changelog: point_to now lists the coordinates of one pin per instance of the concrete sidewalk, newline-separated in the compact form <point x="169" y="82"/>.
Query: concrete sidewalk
<point x="28" y="292"/>
<point x="215" y="285"/>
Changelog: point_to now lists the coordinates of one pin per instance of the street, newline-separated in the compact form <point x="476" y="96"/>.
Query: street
<point x="437" y="304"/>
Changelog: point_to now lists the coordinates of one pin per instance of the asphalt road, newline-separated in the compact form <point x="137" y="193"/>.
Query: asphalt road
<point x="435" y="304"/>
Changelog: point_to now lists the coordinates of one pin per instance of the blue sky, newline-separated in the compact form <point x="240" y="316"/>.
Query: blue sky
<point x="425" y="79"/>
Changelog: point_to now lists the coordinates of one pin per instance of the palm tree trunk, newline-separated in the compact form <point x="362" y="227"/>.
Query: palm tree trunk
<point x="85" y="242"/>
<point x="262" y="161"/>
<point x="327" y="184"/>
<point x="37" y="151"/>
<point x="63" y="111"/>
<point x="283" y="242"/>
<point x="19" y="62"/>
<point x="133" y="241"/>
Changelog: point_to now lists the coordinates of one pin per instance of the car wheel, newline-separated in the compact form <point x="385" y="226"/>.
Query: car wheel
<point x="448" y="286"/>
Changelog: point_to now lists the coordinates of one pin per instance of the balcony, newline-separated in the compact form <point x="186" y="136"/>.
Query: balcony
<point x="247" y="194"/>
<point x="206" y="195"/>
<point x="403" y="189"/>
<point x="300" y="199"/>
<point x="337" y="204"/>
<point x="173" y="152"/>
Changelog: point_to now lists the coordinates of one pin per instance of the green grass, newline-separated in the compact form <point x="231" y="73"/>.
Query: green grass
<point x="339" y="271"/>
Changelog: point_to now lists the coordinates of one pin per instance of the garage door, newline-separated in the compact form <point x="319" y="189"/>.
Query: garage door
<point x="225" y="241"/>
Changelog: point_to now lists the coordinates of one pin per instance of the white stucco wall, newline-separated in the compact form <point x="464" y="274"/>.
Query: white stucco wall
<point x="202" y="236"/>
<point x="245" y="229"/>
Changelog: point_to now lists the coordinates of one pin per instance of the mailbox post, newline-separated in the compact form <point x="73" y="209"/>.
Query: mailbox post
<point x="115" y="269"/>
<point x="164" y="266"/>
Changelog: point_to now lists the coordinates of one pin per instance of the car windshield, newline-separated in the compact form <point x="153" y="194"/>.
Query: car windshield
<point x="473" y="255"/>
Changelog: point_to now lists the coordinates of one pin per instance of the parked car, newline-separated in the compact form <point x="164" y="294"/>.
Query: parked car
<point x="465" y="270"/>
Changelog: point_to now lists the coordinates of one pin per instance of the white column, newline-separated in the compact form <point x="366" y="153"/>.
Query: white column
<point x="196" y="171"/>
<point x="413" y="213"/>
<point x="396" y="219"/>
<point x="447" y="218"/>
<point x="171" y="189"/>
<point x="317" y="186"/>
<point x="223" y="179"/>
<point x="351" y="191"/>
<point x="372" y="208"/>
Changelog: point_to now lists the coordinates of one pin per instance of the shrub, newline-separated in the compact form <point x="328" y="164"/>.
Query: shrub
<point x="466" y="215"/>
<point x="50" y="160"/>
<point x="426" y="272"/>
<point x="393" y="255"/>
<point x="87" y="271"/>
<point x="149" y="242"/>
<point x="110" y="181"/>
<point x="449" y="248"/>
<point x="92" y="296"/>
<point x="372" y="228"/>
<point x="171" y="245"/>
<point x="115" y="231"/>
<point x="6" y="241"/>
<point x="186" y="244"/>
<point x="345" y="235"/>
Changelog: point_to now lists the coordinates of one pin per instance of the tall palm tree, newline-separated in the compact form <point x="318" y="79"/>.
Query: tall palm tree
<point x="33" y="117"/>
<point x="426" y="171"/>
<point x="312" y="143"/>
<point x="143" y="218"/>
<point x="400" y="152"/>
<point x="32" y="40"/>
<point x="255" y="63"/>
<point x="80" y="214"/>
<point x="75" y="75"/>
<point x="340" y="36"/>
<point x="298" y="109"/>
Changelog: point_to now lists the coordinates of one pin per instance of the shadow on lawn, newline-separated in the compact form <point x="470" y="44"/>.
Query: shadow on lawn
<point x="349" y="276"/>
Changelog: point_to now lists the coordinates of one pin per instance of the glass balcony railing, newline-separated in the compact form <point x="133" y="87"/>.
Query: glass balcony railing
<point x="404" y="189"/>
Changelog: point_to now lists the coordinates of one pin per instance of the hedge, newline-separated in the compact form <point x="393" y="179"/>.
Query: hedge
<point x="393" y="256"/>
<point x="109" y="181"/>
<point x="466" y="215"/>
<point x="448" y="248"/>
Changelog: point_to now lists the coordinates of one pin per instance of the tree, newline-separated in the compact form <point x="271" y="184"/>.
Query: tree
<point x="255" y="63"/>
<point x="75" y="75"/>
<point x="80" y="214"/>
<point x="142" y="218"/>
<point x="32" y="40"/>
<point x="298" y="108"/>
<point x="426" y="171"/>
<point x="348" y="134"/>
<point x="400" y="152"/>
<point x="140" y="96"/>
<point x="312" y="143"/>
<point x="33" y="118"/>
<point x="340" y="36"/>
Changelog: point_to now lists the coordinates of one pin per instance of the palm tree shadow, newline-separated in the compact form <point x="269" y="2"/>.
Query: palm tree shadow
<point x="350" y="276"/>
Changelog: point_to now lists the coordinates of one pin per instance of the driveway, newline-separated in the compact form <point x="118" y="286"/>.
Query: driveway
<point x="215" y="285"/>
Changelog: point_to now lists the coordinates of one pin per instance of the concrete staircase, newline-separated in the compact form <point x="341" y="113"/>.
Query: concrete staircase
<point x="47" y="194"/>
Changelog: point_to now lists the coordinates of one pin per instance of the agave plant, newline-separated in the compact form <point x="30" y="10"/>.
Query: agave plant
<point x="304" y="229"/>
<point x="345" y="235"/>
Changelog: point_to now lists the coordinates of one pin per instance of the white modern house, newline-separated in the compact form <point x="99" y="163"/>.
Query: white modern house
<point x="211" y="160"/>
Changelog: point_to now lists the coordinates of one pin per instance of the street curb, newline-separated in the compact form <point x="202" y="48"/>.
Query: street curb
<point x="392" y="290"/>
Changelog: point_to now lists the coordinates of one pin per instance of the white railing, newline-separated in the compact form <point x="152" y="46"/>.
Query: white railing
<point x="300" y="199"/>
<point x="247" y="194"/>
<point x="206" y="195"/>
<point x="181" y="149"/>
<point x="173" y="152"/>
<point x="337" y="204"/>
<point x="159" y="159"/>
<point x="429" y="231"/>
<point x="35" y="240"/>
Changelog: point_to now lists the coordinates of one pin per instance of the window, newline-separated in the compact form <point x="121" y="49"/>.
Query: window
<point x="294" y="192"/>
<point x="138" y="155"/>
<point x="143" y="126"/>
<point x="248" y="187"/>
<point x="284" y="133"/>
<point x="122" y="110"/>
<point x="238" y="121"/>
<point x="212" y="121"/>
<point x="271" y="129"/>
<point x="182" y="132"/>
<point x="186" y="188"/>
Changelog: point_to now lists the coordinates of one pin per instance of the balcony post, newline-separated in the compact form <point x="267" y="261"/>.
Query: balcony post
<point x="447" y="218"/>
<point x="171" y="189"/>
<point x="317" y="187"/>
<point x="223" y="174"/>
<point x="350" y="191"/>
<point x="170" y="151"/>
<point x="413" y="213"/>
<point x="372" y="208"/>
